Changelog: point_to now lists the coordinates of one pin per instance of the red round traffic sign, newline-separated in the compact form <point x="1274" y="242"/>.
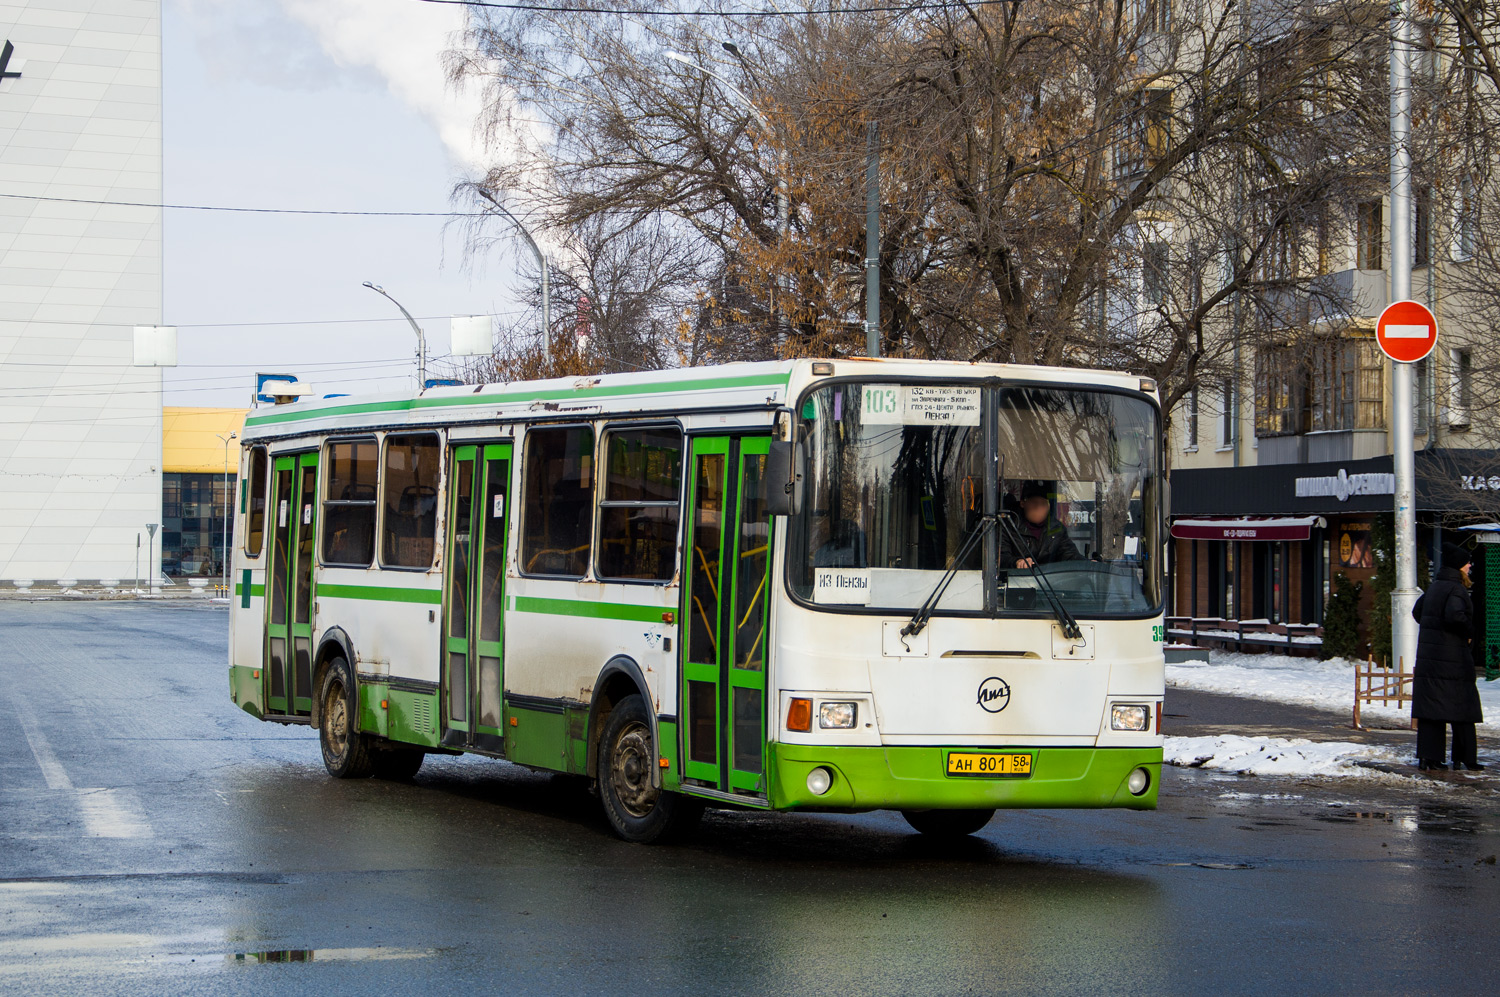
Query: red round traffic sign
<point x="1406" y="331"/>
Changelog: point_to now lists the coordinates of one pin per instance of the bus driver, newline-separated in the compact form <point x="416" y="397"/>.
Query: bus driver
<point x="1043" y="538"/>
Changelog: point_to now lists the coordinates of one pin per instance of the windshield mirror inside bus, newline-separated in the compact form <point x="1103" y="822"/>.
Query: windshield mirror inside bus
<point x="896" y="483"/>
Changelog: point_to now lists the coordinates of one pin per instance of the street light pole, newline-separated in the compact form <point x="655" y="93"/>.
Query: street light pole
<point x="1404" y="597"/>
<point x="228" y="507"/>
<point x="421" y="337"/>
<point x="541" y="261"/>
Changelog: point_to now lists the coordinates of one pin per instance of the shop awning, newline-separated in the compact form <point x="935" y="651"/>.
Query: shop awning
<point x="1246" y="527"/>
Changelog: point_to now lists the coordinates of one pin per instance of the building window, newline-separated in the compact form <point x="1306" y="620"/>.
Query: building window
<point x="1460" y="388"/>
<point x="1226" y="415"/>
<point x="349" y="503"/>
<point x="1147" y="132"/>
<point x="1465" y="225"/>
<point x="559" y="488"/>
<point x="408" y="524"/>
<point x="1370" y="236"/>
<point x="1421" y="243"/>
<point x="255" y="505"/>
<point x="639" y="510"/>
<point x="195" y="518"/>
<point x="1155" y="260"/>
<point x="1156" y="16"/>
<point x="1328" y="384"/>
<point x="1422" y="392"/>
<point x="1191" y="420"/>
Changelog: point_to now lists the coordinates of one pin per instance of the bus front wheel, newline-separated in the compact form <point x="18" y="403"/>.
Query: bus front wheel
<point x="948" y="823"/>
<point x="637" y="810"/>
<point x="346" y="752"/>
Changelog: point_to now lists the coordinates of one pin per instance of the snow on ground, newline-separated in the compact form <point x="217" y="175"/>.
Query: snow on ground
<point x="1327" y="685"/>
<point x="1279" y="756"/>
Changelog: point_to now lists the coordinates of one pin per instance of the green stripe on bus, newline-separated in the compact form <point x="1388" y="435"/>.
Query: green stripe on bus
<point x="511" y="397"/>
<point x="379" y="593"/>
<point x="591" y="610"/>
<point x="255" y="590"/>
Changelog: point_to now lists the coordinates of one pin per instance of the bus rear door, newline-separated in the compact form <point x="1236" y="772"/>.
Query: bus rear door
<point x="473" y="645"/>
<point x="294" y="486"/>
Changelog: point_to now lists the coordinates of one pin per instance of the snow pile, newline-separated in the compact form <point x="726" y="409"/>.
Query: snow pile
<point x="1278" y="756"/>
<point x="1327" y="685"/>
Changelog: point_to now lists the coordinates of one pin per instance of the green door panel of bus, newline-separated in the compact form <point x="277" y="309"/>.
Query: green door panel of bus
<point x="915" y="778"/>
<point x="474" y="611"/>
<point x="289" y="586"/>
<point x="723" y="691"/>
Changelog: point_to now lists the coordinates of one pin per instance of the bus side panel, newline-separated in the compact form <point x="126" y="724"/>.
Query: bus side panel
<point x="559" y="635"/>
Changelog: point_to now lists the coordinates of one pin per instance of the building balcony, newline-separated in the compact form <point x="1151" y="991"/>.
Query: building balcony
<point x="1328" y="301"/>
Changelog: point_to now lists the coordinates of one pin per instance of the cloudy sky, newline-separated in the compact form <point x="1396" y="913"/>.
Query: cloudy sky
<point x="327" y="104"/>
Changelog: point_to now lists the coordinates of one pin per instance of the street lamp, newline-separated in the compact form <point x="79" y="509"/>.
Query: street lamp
<point x="421" y="339"/>
<point x="541" y="261"/>
<point x="228" y="505"/>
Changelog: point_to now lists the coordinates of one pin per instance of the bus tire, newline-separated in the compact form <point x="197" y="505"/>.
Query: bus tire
<point x="397" y="764"/>
<point x="948" y="823"/>
<point x="346" y="752"/>
<point x="637" y="811"/>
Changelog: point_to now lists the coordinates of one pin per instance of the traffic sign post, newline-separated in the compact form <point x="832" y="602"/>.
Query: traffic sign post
<point x="1406" y="332"/>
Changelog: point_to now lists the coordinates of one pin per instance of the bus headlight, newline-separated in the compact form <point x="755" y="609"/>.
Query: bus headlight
<point x="836" y="716"/>
<point x="818" y="781"/>
<point x="1123" y="717"/>
<point x="1138" y="782"/>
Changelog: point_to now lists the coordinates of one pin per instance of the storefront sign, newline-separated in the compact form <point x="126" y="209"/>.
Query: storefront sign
<point x="1354" y="546"/>
<point x="1343" y="485"/>
<point x="1296" y="528"/>
<point x="1480" y="482"/>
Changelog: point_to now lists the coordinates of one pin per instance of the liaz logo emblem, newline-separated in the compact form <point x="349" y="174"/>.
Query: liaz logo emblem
<point x="994" y="695"/>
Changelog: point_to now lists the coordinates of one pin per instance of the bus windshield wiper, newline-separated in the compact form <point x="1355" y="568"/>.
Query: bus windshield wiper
<point x="1064" y="618"/>
<point x="919" y="619"/>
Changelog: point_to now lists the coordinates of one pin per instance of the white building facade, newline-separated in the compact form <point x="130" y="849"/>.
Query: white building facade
<point x="80" y="425"/>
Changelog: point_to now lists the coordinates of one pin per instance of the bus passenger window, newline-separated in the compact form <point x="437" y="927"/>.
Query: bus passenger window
<point x="559" y="485"/>
<point x="349" y="503"/>
<point x="255" y="533"/>
<point x="408" y="527"/>
<point x="638" y="513"/>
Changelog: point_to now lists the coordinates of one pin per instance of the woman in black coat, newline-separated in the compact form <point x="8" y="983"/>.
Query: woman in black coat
<point x="1443" y="689"/>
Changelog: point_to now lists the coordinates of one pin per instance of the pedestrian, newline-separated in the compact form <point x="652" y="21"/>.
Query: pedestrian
<point x="1443" y="688"/>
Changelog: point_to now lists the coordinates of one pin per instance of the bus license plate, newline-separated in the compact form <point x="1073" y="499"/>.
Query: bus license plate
<point x="988" y="764"/>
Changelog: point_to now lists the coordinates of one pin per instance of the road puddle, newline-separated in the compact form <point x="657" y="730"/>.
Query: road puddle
<point x="376" y="954"/>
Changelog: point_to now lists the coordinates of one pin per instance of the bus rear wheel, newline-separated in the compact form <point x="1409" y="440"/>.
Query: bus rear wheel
<point x="638" y="811"/>
<point x="948" y="823"/>
<point x="346" y="752"/>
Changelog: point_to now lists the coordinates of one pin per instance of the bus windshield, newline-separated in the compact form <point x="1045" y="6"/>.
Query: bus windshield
<point x="898" y="475"/>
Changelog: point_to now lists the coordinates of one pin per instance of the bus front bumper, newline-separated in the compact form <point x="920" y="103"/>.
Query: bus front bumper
<point x="915" y="778"/>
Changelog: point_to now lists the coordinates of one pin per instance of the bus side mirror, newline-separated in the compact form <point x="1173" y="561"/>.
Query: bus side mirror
<point x="782" y="481"/>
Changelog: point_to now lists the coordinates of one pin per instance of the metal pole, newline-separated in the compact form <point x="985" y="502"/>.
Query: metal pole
<point x="1403" y="627"/>
<point x="872" y="239"/>
<point x="228" y="506"/>
<point x="541" y="261"/>
<point x="137" y="564"/>
<point x="421" y="338"/>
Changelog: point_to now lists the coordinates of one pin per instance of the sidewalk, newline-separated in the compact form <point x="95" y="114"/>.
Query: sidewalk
<point x="1190" y="713"/>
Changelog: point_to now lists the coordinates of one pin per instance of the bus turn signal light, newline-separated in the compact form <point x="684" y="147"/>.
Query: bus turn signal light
<point x="799" y="715"/>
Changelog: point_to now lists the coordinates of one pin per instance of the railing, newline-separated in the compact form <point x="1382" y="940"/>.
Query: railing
<point x="1376" y="683"/>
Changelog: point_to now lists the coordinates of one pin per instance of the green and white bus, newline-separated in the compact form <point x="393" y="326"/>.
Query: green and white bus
<point x="797" y="585"/>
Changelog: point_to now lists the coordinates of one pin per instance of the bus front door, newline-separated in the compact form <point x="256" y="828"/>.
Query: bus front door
<point x="724" y="608"/>
<point x="473" y="642"/>
<point x="294" y="486"/>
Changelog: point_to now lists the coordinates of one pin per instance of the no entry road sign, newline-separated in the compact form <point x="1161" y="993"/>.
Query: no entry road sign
<point x="1406" y="331"/>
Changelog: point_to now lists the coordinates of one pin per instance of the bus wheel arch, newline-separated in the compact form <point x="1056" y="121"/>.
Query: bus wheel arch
<point x="620" y="677"/>
<point x="335" y="643"/>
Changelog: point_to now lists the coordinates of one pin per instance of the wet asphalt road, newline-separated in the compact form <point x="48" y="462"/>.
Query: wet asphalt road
<point x="154" y="839"/>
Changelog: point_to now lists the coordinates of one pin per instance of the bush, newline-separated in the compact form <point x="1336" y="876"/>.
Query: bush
<point x="1341" y="619"/>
